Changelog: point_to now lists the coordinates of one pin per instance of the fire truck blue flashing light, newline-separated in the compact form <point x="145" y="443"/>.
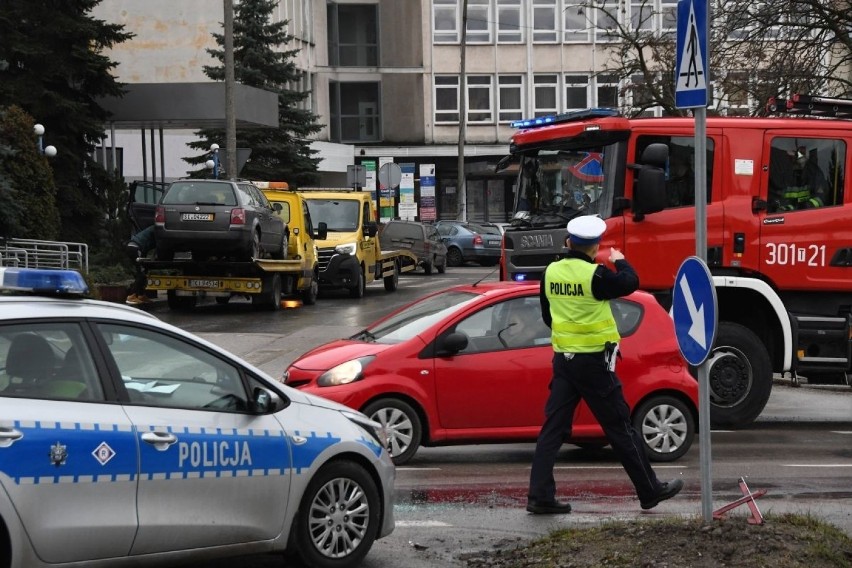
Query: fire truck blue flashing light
<point x="43" y="281"/>
<point x="574" y="115"/>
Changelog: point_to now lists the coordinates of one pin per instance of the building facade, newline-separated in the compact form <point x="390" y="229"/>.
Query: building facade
<point x="387" y="80"/>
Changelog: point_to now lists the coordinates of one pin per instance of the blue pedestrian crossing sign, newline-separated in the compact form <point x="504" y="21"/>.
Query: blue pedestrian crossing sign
<point x="694" y="310"/>
<point x="691" y="77"/>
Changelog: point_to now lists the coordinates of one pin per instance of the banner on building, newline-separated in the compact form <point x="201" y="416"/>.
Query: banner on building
<point x="428" y="204"/>
<point x="386" y="195"/>
<point x="370" y="185"/>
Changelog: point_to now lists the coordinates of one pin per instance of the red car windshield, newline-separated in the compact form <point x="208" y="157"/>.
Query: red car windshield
<point x="418" y="317"/>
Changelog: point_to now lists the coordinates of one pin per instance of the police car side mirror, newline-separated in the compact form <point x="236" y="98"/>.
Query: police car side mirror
<point x="451" y="344"/>
<point x="264" y="401"/>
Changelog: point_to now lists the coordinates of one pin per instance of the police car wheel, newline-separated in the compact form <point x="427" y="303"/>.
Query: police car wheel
<point x="338" y="517"/>
<point x="402" y="424"/>
<point x="666" y="426"/>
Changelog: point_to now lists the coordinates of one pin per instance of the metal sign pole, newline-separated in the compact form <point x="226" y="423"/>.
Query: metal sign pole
<point x="691" y="91"/>
<point x="703" y="371"/>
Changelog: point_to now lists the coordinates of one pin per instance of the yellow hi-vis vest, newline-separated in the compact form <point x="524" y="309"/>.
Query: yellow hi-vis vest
<point x="581" y="323"/>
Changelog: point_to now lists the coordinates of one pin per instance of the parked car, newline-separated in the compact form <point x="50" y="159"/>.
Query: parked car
<point x="470" y="242"/>
<point x="128" y="441"/>
<point x="500" y="226"/>
<point x="220" y="218"/>
<point x="472" y="364"/>
<point x="420" y="238"/>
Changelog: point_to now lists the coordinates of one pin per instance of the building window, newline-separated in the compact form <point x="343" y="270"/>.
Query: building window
<point x="576" y="92"/>
<point x="544" y="21"/>
<point x="447" y="23"/>
<point x="511" y="97"/>
<point x="642" y="15"/>
<point x="641" y="98"/>
<point x="478" y="21"/>
<point x="479" y="98"/>
<point x="354" y="112"/>
<point x="446" y="99"/>
<point x="546" y="94"/>
<point x="607" y="89"/>
<point x="668" y="18"/>
<point x="353" y="35"/>
<point x="606" y="23"/>
<point x="735" y="94"/>
<point x="510" y="21"/>
<point x="576" y="24"/>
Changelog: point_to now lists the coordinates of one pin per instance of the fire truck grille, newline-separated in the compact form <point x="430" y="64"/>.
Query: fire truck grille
<point x="533" y="260"/>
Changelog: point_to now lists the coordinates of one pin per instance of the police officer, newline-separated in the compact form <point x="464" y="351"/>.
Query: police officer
<point x="575" y="294"/>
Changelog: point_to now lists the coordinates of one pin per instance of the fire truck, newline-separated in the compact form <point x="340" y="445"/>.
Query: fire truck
<point x="779" y="236"/>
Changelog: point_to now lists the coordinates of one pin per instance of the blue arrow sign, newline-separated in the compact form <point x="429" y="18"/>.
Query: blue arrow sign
<point x="691" y="77"/>
<point x="694" y="310"/>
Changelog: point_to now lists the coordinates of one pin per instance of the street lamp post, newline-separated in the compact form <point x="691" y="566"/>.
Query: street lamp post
<point x="213" y="163"/>
<point x="49" y="151"/>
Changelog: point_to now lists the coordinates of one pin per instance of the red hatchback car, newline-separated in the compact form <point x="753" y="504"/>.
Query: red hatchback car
<point x="472" y="364"/>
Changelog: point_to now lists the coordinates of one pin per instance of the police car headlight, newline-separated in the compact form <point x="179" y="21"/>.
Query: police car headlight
<point x="345" y="373"/>
<point x="348" y="248"/>
<point x="374" y="429"/>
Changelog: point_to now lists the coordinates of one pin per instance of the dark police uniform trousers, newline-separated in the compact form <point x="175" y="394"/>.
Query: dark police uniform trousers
<point x="586" y="376"/>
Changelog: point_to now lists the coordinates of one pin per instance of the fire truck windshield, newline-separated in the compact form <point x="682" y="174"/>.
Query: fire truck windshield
<point x="556" y="185"/>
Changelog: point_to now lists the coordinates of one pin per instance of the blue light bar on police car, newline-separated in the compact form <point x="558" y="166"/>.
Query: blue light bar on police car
<point x="43" y="281"/>
<point x="572" y="116"/>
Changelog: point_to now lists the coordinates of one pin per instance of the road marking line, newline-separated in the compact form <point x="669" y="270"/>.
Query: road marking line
<point x="817" y="465"/>
<point x="841" y="432"/>
<point x="613" y="467"/>
<point x="422" y="524"/>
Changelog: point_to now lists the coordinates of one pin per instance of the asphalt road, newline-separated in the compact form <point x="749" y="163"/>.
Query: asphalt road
<point x="452" y="502"/>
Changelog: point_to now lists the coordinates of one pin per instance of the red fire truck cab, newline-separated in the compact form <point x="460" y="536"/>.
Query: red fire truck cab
<point x="779" y="228"/>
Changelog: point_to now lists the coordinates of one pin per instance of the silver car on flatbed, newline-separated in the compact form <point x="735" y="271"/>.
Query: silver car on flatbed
<point x="128" y="441"/>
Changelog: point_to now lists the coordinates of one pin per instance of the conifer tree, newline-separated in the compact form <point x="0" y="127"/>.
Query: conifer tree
<point x="261" y="60"/>
<point x="52" y="65"/>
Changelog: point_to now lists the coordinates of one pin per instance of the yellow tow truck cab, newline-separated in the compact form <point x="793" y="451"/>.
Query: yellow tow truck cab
<point x="350" y="255"/>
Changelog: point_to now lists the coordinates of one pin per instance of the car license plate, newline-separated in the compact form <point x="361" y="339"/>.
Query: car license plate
<point x="196" y="216"/>
<point x="202" y="283"/>
<point x="494" y="243"/>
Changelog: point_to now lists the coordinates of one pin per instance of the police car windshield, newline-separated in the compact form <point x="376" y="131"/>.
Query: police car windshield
<point x="418" y="317"/>
<point x="557" y="185"/>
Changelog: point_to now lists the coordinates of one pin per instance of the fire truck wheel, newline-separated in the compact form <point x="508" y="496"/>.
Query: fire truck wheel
<point x="740" y="376"/>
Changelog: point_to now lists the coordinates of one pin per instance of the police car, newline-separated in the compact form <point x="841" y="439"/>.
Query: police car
<point x="126" y="440"/>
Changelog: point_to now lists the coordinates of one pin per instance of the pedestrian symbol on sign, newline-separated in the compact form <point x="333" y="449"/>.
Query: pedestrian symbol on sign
<point x="691" y="74"/>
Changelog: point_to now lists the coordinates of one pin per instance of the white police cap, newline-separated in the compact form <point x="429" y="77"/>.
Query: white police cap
<point x="586" y="230"/>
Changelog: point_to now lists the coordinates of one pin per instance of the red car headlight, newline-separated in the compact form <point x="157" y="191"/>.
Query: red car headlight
<point x="345" y="373"/>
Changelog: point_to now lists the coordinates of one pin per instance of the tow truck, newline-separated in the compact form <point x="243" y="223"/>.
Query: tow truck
<point x="350" y="256"/>
<point x="266" y="282"/>
<point x="779" y="241"/>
